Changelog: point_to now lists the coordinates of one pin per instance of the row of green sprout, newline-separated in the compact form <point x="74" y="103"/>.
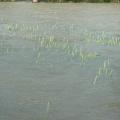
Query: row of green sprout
<point x="68" y="47"/>
<point x="103" y="71"/>
<point x="5" y="48"/>
<point x="102" y="39"/>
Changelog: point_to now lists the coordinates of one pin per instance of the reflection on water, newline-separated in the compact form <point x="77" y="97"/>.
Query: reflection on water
<point x="57" y="64"/>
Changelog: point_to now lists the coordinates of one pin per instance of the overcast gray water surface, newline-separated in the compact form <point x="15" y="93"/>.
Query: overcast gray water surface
<point x="46" y="83"/>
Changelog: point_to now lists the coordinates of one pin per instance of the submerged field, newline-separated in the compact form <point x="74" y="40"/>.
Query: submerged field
<point x="59" y="61"/>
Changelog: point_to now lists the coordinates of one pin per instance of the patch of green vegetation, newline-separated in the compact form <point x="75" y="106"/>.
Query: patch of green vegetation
<point x="103" y="71"/>
<point x="30" y="32"/>
<point x="102" y="39"/>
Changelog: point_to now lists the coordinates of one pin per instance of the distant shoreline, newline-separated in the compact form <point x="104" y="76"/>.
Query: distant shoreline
<point x="66" y="1"/>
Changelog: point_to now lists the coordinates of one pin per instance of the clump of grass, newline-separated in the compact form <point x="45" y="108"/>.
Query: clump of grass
<point x="104" y="70"/>
<point x="23" y="27"/>
<point x="67" y="47"/>
<point x="102" y="39"/>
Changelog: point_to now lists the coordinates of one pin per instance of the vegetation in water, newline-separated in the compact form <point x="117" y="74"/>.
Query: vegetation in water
<point x="30" y="32"/>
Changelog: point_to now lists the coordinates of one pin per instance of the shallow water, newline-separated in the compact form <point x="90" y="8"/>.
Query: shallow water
<point x="44" y="81"/>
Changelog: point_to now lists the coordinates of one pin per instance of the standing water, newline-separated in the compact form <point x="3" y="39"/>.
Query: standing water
<point x="59" y="61"/>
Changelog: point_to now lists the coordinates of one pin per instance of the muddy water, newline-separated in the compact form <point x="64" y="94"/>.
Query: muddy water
<point x="47" y="83"/>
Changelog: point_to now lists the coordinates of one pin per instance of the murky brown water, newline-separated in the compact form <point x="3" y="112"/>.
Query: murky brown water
<point x="44" y="81"/>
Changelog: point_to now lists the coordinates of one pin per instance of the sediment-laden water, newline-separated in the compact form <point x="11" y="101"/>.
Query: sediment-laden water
<point x="59" y="61"/>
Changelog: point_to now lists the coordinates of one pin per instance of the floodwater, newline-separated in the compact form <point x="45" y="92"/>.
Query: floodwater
<point x="44" y="81"/>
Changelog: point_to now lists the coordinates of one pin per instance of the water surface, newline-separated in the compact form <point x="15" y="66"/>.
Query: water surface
<point x="48" y="82"/>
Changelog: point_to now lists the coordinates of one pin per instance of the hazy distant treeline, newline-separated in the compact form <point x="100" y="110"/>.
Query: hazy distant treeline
<point x="92" y="1"/>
